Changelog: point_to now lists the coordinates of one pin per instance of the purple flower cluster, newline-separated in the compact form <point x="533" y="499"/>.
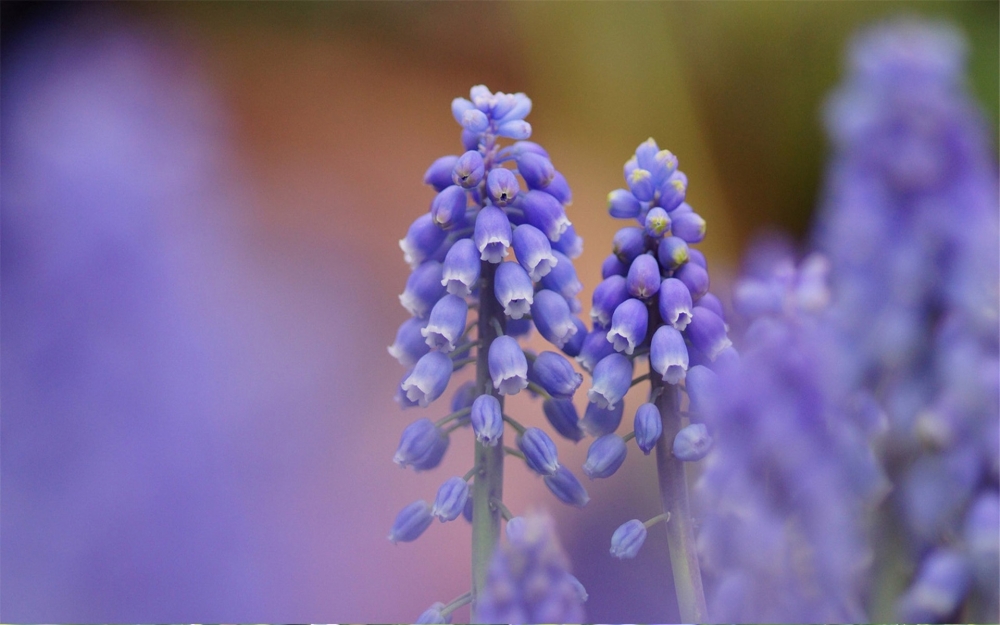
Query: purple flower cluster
<point x="910" y="224"/>
<point x="787" y="487"/>
<point x="529" y="579"/>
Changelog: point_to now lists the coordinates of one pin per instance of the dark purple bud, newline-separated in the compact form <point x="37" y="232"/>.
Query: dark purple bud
<point x="502" y="186"/>
<point x="612" y="379"/>
<point x="561" y="414"/>
<point x="539" y="451"/>
<point x="467" y="511"/>
<point x="628" y="243"/>
<point x="551" y="315"/>
<point x="692" y="443"/>
<point x="545" y="213"/>
<point x="628" y="539"/>
<point x="675" y="303"/>
<point x="559" y="189"/>
<point x="605" y="455"/>
<point x="429" y="378"/>
<point x="688" y="226"/>
<point x="555" y="374"/>
<point x="450" y="500"/>
<point x="599" y="421"/>
<point x="673" y="191"/>
<point x="460" y="272"/>
<point x="513" y="289"/>
<point x="640" y="182"/>
<point x="694" y="277"/>
<point x="672" y="253"/>
<point x="492" y="234"/>
<point x="421" y="446"/>
<point x="536" y="170"/>
<point x="468" y="171"/>
<point x="411" y="522"/>
<point x="519" y="327"/>
<point x="567" y="488"/>
<point x="707" y="332"/>
<point x="668" y="354"/>
<point x="657" y="223"/>
<point x="648" y="427"/>
<point x="410" y="344"/>
<point x="628" y="326"/>
<point x="611" y="292"/>
<point x="446" y="323"/>
<point x="623" y="205"/>
<point x="438" y="175"/>
<point x="508" y="366"/>
<point x="612" y="266"/>
<point x="574" y="345"/>
<point x="569" y="243"/>
<point x="533" y="251"/>
<point x="595" y="347"/>
<point x="422" y="239"/>
<point x="643" y="277"/>
<point x="487" y="420"/>
<point x="423" y="289"/>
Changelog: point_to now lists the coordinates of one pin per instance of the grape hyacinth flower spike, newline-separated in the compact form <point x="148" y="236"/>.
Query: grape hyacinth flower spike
<point x="496" y="245"/>
<point x="653" y="307"/>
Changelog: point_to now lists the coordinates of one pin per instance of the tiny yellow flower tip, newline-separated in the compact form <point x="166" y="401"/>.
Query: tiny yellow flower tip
<point x="681" y="256"/>
<point x="639" y="175"/>
<point x="679" y="185"/>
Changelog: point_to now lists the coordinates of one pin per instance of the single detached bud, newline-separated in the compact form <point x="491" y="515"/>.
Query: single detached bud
<point x="707" y="332"/>
<point x="552" y="317"/>
<point x="487" y="420"/>
<point x="438" y="175"/>
<point x="599" y="421"/>
<point x="673" y="191"/>
<point x="569" y="243"/>
<point x="694" y="277"/>
<point x="628" y="325"/>
<point x="567" y="488"/>
<point x="502" y="186"/>
<point x="446" y="323"/>
<point x="492" y="234"/>
<point x="692" y="443"/>
<point x="450" y="500"/>
<point x="595" y="347"/>
<point x="688" y="226"/>
<point x="409" y="345"/>
<point x="640" y="182"/>
<point x="623" y="205"/>
<point x="612" y="266"/>
<point x="429" y="378"/>
<point x="539" y="451"/>
<point x="545" y="213"/>
<point x="648" y="427"/>
<point x="433" y="615"/>
<point x="533" y="251"/>
<point x="611" y="292"/>
<point x="668" y="354"/>
<point x="555" y="374"/>
<point x="460" y="271"/>
<point x="536" y="170"/>
<point x="675" y="303"/>
<point x="562" y="416"/>
<point x="672" y="252"/>
<point x="508" y="366"/>
<point x="421" y="446"/>
<point x="657" y="223"/>
<point x="514" y="290"/>
<point x="605" y="455"/>
<point x="468" y="171"/>
<point x="643" y="277"/>
<point x="612" y="379"/>
<point x="422" y="239"/>
<point x="411" y="522"/>
<point x="628" y="539"/>
<point x="628" y="243"/>
<point x="562" y="279"/>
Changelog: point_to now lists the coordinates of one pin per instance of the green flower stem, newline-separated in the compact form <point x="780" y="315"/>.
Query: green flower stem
<point x="674" y="495"/>
<point x="488" y="484"/>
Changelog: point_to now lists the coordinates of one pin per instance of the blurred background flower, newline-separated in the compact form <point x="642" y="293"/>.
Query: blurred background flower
<point x="200" y="208"/>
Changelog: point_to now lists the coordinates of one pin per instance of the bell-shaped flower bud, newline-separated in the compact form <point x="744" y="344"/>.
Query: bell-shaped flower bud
<point x="508" y="366"/>
<point x="562" y="416"/>
<point x="657" y="223"/>
<point x="433" y="615"/>
<point x="518" y="107"/>
<point x="423" y="289"/>
<point x="599" y="421"/>
<point x="628" y="325"/>
<point x="422" y="239"/>
<point x="482" y="98"/>
<point x="707" y="332"/>
<point x="446" y="323"/>
<point x="517" y="129"/>
<point x="673" y="191"/>
<point x="668" y="354"/>
<point x="688" y="226"/>
<point x="469" y="170"/>
<point x="487" y="420"/>
<point x="410" y="344"/>
<point x="492" y="234"/>
<point x="648" y="427"/>
<point x="502" y="186"/>
<point x="411" y="522"/>
<point x="645" y="154"/>
<point x="450" y="500"/>
<point x="539" y="451"/>
<point x="569" y="243"/>
<point x="628" y="243"/>
<point x="574" y="345"/>
<point x="664" y="165"/>
<point x="552" y="317"/>
<point x="461" y="268"/>
<point x="514" y="290"/>
<point x="701" y="386"/>
<point x="675" y="303"/>
<point x="515" y="528"/>
<point x="640" y="182"/>
<point x="429" y="378"/>
<point x="643" y="279"/>
<point x="559" y="189"/>
<point x="672" y="252"/>
<point x="536" y="170"/>
<point x="623" y="205"/>
<point x="612" y="379"/>
<point x="567" y="488"/>
<point x="545" y="213"/>
<point x="562" y="278"/>
<point x="555" y="374"/>
<point x="605" y="455"/>
<point x="595" y="347"/>
<point x="611" y="292"/>
<point x="438" y="175"/>
<point x="695" y="278"/>
<point x="458" y="108"/>
<point x="533" y="251"/>
<point x="421" y="446"/>
<point x="628" y="539"/>
<point x="692" y="443"/>
<point x="474" y="120"/>
<point x="712" y="303"/>
<point x="613" y="266"/>
<point x="400" y="396"/>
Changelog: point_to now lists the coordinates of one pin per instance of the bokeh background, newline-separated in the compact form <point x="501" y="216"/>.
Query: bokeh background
<point x="201" y="204"/>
